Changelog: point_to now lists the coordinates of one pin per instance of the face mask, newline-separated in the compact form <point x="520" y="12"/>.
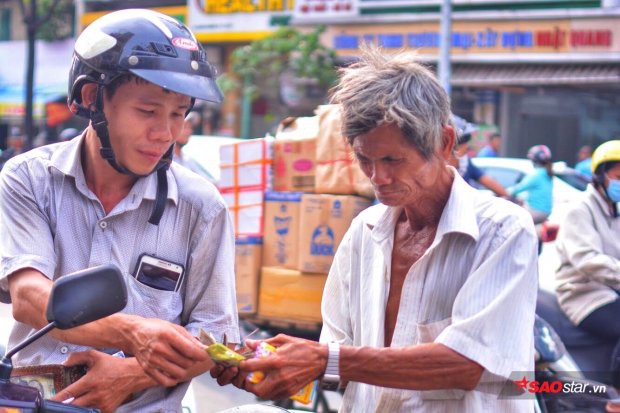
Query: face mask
<point x="613" y="190"/>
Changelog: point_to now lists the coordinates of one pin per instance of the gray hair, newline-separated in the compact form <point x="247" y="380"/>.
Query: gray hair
<point x="393" y="89"/>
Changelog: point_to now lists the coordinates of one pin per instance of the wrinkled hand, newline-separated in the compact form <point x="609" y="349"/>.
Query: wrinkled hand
<point x="227" y="375"/>
<point x="108" y="382"/>
<point x="296" y="363"/>
<point x="166" y="351"/>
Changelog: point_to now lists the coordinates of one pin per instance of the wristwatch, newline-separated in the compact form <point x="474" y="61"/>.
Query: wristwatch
<point x="331" y="378"/>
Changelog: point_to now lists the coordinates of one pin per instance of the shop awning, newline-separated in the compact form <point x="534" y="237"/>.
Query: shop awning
<point x="534" y="74"/>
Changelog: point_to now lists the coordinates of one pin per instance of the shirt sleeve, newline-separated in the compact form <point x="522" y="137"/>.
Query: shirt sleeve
<point x="210" y="297"/>
<point x="25" y="235"/>
<point x="582" y="245"/>
<point x="335" y="304"/>
<point x="473" y="171"/>
<point x="493" y="313"/>
<point x="526" y="184"/>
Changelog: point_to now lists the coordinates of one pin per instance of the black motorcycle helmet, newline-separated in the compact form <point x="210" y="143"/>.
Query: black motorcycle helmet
<point x="151" y="46"/>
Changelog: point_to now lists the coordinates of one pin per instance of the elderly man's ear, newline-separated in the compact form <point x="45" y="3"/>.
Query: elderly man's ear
<point x="448" y="141"/>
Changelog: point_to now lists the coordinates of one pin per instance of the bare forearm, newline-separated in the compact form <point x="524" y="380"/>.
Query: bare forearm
<point x="493" y="185"/>
<point x="29" y="307"/>
<point x="422" y="367"/>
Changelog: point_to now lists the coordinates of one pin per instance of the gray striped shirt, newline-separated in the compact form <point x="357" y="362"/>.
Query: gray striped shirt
<point x="52" y="222"/>
<point x="473" y="290"/>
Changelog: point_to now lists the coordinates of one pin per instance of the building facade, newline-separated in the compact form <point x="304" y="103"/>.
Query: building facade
<point x="539" y="72"/>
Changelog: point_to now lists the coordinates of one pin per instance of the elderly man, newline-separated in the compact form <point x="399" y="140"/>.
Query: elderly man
<point x="432" y="292"/>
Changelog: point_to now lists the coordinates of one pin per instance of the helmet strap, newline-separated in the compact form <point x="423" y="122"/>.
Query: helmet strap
<point x="100" y="124"/>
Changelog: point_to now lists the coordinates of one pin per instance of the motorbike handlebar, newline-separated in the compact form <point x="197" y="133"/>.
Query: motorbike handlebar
<point x="49" y="406"/>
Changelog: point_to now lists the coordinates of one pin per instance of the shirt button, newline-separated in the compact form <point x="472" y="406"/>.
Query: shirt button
<point x="103" y="225"/>
<point x="64" y="349"/>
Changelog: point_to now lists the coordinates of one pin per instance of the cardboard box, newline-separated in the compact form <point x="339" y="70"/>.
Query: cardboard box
<point x="281" y="229"/>
<point x="294" y="164"/>
<point x="246" y="209"/>
<point x="324" y="219"/>
<point x="337" y="170"/>
<point x="290" y="294"/>
<point x="248" y="254"/>
<point x="246" y="164"/>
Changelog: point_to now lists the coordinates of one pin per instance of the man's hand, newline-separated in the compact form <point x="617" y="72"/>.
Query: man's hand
<point x="296" y="363"/>
<point x="108" y="382"/>
<point x="165" y="351"/>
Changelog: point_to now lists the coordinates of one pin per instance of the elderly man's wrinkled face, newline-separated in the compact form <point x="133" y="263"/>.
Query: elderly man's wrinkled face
<point x="399" y="173"/>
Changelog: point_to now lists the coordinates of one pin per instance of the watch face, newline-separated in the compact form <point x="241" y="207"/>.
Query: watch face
<point x="330" y="382"/>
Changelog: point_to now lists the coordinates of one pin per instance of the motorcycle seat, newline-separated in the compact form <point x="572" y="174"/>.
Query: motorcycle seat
<point x="548" y="308"/>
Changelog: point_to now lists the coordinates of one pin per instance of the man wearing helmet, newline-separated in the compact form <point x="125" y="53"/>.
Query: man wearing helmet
<point x="588" y="278"/>
<point x="113" y="196"/>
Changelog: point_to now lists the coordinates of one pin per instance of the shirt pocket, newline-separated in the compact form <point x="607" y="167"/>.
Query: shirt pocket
<point x="427" y="333"/>
<point x="150" y="302"/>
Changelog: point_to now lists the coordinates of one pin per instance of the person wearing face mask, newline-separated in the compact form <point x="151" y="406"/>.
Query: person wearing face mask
<point x="588" y="279"/>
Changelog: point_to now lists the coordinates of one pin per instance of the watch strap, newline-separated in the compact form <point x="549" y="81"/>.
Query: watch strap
<point x="331" y="378"/>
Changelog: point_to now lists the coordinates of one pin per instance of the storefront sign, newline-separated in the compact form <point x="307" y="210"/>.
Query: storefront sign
<point x="484" y="37"/>
<point x="237" y="20"/>
<point x="17" y="110"/>
<point x="325" y="9"/>
<point x="178" y="12"/>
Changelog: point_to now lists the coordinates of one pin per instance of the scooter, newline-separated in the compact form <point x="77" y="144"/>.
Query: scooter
<point x="563" y="386"/>
<point x="591" y="354"/>
<point x="76" y="299"/>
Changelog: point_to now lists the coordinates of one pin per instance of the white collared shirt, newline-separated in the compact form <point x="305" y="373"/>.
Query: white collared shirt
<point x="473" y="290"/>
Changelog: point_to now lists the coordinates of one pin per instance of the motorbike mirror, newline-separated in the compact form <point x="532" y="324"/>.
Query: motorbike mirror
<point x="86" y="296"/>
<point x="76" y="299"/>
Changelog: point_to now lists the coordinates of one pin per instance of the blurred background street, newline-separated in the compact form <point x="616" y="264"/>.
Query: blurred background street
<point x="520" y="73"/>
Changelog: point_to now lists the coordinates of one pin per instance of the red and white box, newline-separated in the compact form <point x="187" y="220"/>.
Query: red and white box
<point x="246" y="164"/>
<point x="246" y="208"/>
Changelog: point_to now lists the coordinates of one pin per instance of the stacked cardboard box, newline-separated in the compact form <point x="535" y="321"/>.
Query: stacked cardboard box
<point x="245" y="175"/>
<point x="303" y="231"/>
<point x="282" y="227"/>
<point x="302" y="234"/>
<point x="302" y="216"/>
<point x="247" y="271"/>
<point x="290" y="294"/>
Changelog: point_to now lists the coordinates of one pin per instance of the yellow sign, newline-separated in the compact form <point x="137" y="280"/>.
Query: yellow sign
<point x="246" y="6"/>
<point x="178" y="12"/>
<point x="18" y="110"/>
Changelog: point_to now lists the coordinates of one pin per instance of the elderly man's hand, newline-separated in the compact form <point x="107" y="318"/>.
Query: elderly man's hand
<point x="227" y="375"/>
<point x="296" y="363"/>
<point x="165" y="351"/>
